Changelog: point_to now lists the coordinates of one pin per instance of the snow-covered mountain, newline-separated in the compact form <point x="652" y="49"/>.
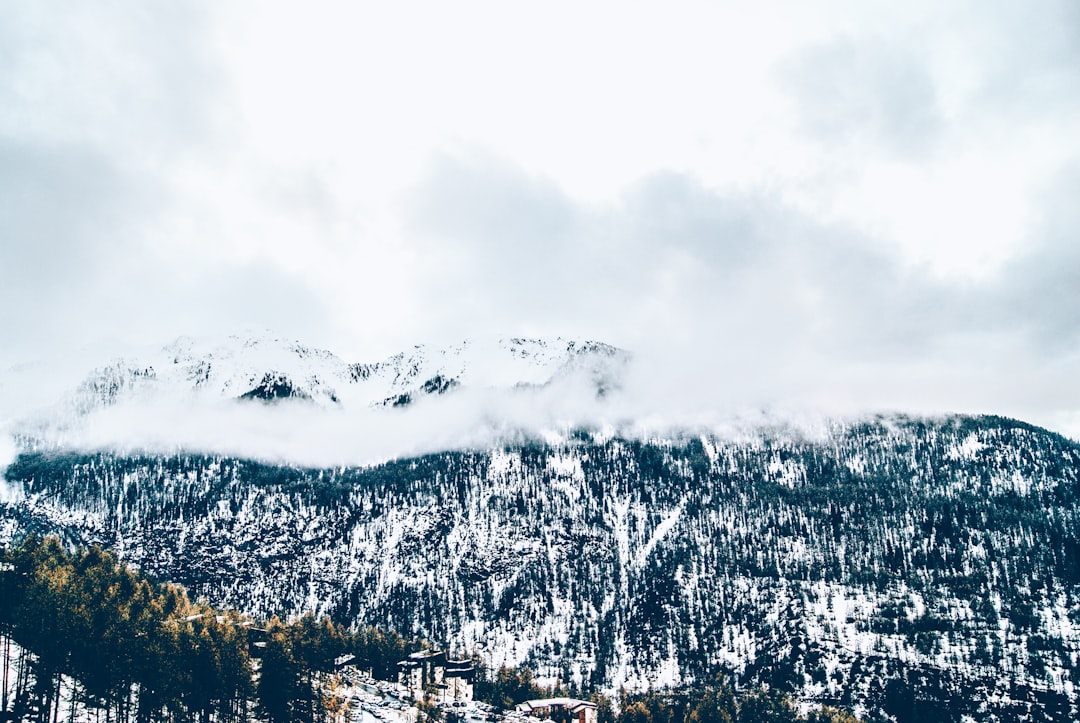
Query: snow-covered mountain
<point x="182" y="396"/>
<point x="271" y="368"/>
<point x="894" y="565"/>
<point x="919" y="568"/>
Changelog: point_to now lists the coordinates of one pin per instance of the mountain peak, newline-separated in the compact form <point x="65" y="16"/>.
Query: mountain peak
<point x="208" y="379"/>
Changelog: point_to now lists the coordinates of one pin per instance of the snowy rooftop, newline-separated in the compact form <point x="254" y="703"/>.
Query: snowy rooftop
<point x="570" y="703"/>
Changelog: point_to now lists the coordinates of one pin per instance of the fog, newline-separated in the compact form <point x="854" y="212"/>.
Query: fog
<point x="656" y="394"/>
<point x="809" y="210"/>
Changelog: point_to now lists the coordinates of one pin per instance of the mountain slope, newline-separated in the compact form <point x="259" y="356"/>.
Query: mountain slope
<point x="901" y="565"/>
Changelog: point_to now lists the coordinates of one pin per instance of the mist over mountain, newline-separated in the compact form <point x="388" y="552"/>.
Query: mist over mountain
<point x="263" y="397"/>
<point x="527" y="501"/>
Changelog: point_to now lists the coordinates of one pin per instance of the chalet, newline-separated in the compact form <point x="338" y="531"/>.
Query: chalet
<point x="568" y="710"/>
<point x="430" y="672"/>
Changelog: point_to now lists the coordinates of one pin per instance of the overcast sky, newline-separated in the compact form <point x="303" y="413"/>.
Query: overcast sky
<point x="852" y="204"/>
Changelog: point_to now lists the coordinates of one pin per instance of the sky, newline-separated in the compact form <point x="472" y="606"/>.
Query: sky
<point x="846" y="204"/>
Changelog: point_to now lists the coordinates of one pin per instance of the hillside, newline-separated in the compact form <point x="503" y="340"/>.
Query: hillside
<point x="920" y="568"/>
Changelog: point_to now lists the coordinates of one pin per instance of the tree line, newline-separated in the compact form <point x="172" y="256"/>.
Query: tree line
<point x="716" y="702"/>
<point x="91" y="633"/>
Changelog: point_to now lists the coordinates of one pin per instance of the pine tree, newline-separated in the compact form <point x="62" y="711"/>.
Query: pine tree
<point x="278" y="676"/>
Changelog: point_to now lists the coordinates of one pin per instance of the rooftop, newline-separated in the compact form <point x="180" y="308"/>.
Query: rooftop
<point x="570" y="703"/>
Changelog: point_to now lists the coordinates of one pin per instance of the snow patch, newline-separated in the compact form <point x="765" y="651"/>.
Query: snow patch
<point x="968" y="449"/>
<point x="788" y="473"/>
<point x="565" y="465"/>
<point x="658" y="534"/>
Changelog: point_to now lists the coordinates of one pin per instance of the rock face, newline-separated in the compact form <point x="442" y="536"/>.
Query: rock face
<point x="920" y="568"/>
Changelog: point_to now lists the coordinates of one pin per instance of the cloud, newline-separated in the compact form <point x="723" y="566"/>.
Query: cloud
<point x="96" y="103"/>
<point x="674" y="212"/>
<point x="765" y="303"/>
<point x="76" y="266"/>
<point x="299" y="432"/>
<point x="500" y="248"/>
<point x="1040" y="290"/>
<point x="668" y="253"/>
<point x="870" y="204"/>
<point x="8" y="452"/>
<point x="475" y="197"/>
<point x="1028" y="60"/>
<point x="105" y="115"/>
<point x="63" y="209"/>
<point x="70" y="219"/>
<point x="865" y="92"/>
<point x="133" y="78"/>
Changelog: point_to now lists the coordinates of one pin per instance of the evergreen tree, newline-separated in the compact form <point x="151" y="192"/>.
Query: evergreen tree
<point x="766" y="706"/>
<point x="279" y="676"/>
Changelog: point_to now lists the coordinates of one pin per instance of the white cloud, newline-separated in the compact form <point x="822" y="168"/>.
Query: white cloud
<point x="803" y="194"/>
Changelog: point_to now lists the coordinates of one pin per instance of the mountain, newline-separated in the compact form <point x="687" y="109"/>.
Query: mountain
<point x="267" y="397"/>
<point x="919" y="568"/>
<point x="270" y="368"/>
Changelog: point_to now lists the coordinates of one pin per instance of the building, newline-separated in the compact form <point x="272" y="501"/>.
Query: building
<point x="567" y="710"/>
<point x="458" y="678"/>
<point x="430" y="672"/>
<point x="421" y="672"/>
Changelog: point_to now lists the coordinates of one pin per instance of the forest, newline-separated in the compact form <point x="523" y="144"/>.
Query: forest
<point x="142" y="651"/>
<point x="81" y="630"/>
<point x="919" y="569"/>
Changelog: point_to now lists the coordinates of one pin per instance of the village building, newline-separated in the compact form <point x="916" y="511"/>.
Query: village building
<point x="566" y="710"/>
<point x="431" y="673"/>
<point x="458" y="679"/>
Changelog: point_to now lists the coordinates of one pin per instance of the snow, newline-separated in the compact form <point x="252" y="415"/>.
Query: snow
<point x="968" y="449"/>
<point x="658" y="534"/>
<point x="786" y="472"/>
<point x="184" y="396"/>
<point x="837" y="617"/>
<point x="856" y="464"/>
<point x="565" y="465"/>
<point x="502" y="463"/>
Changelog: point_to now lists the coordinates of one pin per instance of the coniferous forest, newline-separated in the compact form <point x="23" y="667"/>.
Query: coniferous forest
<point x="81" y="630"/>
<point x="914" y="569"/>
<point x="87" y="631"/>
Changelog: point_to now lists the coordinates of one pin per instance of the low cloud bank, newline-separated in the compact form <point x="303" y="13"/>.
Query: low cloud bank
<point x="648" y="401"/>
<point x="656" y="399"/>
<point x="692" y="385"/>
